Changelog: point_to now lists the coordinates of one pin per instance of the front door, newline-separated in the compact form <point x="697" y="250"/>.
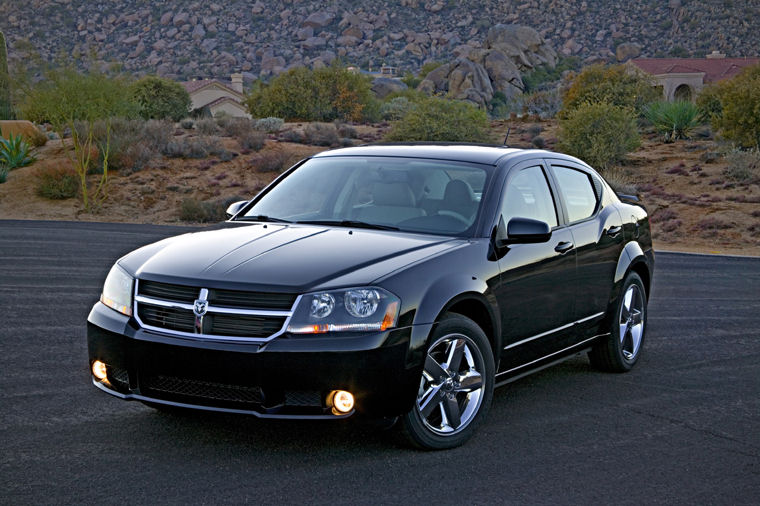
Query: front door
<point x="536" y="292"/>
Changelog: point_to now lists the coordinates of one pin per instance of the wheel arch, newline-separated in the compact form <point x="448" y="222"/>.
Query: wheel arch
<point x="477" y="308"/>
<point x="633" y="258"/>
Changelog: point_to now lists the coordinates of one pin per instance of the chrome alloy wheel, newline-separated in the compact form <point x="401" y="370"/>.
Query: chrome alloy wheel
<point x="451" y="388"/>
<point x="631" y="322"/>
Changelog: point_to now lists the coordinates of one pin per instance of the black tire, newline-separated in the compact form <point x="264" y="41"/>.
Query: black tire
<point x="619" y="353"/>
<point x="457" y="386"/>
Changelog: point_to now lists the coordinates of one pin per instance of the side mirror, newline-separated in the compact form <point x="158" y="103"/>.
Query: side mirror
<point x="527" y="230"/>
<point x="235" y="208"/>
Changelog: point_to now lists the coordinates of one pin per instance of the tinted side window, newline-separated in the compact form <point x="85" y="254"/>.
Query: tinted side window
<point x="528" y="196"/>
<point x="578" y="192"/>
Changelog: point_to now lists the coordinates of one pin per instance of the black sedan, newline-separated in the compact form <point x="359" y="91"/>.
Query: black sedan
<point x="393" y="281"/>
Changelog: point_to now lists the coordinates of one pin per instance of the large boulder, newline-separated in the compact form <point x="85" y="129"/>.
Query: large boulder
<point x="522" y="44"/>
<point x="462" y="79"/>
<point x="626" y="51"/>
<point x="384" y="86"/>
<point x="504" y="74"/>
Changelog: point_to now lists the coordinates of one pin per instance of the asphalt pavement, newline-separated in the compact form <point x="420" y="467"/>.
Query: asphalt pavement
<point x="682" y="428"/>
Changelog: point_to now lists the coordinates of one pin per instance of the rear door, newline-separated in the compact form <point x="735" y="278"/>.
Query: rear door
<point x="596" y="228"/>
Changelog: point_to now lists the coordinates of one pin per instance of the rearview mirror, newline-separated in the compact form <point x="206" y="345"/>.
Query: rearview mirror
<point x="235" y="208"/>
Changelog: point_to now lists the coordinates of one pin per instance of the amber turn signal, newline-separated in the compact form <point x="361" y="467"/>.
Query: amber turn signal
<point x="99" y="370"/>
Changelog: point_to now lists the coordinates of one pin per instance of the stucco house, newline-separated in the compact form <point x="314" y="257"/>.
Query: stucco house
<point x="217" y="96"/>
<point x="684" y="78"/>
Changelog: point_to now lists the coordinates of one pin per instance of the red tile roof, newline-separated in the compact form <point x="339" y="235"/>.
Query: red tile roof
<point x="715" y="69"/>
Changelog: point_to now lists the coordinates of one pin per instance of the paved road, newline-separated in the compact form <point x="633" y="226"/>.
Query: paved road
<point x="682" y="428"/>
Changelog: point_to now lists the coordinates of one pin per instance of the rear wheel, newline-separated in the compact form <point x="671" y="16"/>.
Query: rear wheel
<point x="621" y="351"/>
<point x="456" y="387"/>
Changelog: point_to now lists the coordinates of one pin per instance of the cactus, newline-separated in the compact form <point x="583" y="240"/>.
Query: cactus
<point x="6" y="112"/>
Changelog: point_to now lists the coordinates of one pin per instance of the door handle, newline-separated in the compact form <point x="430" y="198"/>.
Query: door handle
<point x="613" y="231"/>
<point x="564" y="247"/>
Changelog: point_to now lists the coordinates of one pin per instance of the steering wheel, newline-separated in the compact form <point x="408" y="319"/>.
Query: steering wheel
<point x="455" y="215"/>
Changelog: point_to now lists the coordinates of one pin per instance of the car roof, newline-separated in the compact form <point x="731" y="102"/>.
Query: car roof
<point x="477" y="153"/>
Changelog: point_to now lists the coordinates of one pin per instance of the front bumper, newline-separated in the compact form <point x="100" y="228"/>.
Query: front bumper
<point x="289" y="377"/>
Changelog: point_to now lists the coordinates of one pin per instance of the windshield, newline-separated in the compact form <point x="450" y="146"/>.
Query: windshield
<point x="408" y="194"/>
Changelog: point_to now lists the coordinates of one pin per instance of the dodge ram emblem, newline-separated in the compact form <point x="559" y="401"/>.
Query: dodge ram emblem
<point x="200" y="307"/>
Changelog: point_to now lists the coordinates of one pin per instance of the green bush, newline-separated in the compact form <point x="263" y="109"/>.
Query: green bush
<point x="14" y="152"/>
<point x="323" y="94"/>
<point x="616" y="85"/>
<point x="395" y="108"/>
<point x="739" y="98"/>
<point x="3" y="174"/>
<point x="543" y="76"/>
<point x="437" y="119"/>
<point x="600" y="134"/>
<point x="56" y="183"/>
<point x="675" y="120"/>
<point x="6" y="109"/>
<point x="708" y="103"/>
<point x="160" y="98"/>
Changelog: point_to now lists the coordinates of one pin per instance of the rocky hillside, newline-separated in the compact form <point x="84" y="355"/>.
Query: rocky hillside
<point x="188" y="38"/>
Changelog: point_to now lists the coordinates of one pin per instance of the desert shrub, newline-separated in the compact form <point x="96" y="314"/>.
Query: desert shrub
<point x="272" y="160"/>
<point x="538" y="142"/>
<point x="56" y="183"/>
<point x="187" y="123"/>
<point x="207" y="126"/>
<point x="395" y="108"/>
<point x="292" y="136"/>
<point x="160" y="98"/>
<point x="323" y="94"/>
<point x="600" y="133"/>
<point x="743" y="166"/>
<point x="616" y="85"/>
<point x="320" y="134"/>
<point x="437" y="119"/>
<point x="269" y="125"/>
<point x="132" y="144"/>
<point x="193" y="147"/>
<point x="3" y="174"/>
<point x="14" y="152"/>
<point x="237" y="126"/>
<point x="346" y="131"/>
<point x="222" y="119"/>
<point x="251" y="140"/>
<point x="202" y="212"/>
<point x="739" y="121"/>
<point x="674" y="120"/>
<point x="620" y="183"/>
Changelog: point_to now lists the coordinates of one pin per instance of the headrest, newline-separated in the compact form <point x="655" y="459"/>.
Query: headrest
<point x="458" y="192"/>
<point x="393" y="194"/>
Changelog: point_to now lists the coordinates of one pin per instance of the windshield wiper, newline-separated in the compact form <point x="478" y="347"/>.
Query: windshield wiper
<point x="348" y="223"/>
<point x="262" y="217"/>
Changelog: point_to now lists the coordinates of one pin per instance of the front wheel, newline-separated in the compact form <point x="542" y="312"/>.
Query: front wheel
<point x="621" y="351"/>
<point x="456" y="387"/>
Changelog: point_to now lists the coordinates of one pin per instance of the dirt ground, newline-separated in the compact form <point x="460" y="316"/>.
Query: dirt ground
<point x="693" y="207"/>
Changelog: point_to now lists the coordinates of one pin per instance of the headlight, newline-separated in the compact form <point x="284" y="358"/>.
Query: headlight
<point x="352" y="310"/>
<point x="117" y="291"/>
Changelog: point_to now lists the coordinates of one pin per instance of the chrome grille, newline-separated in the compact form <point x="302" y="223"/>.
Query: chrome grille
<point x="229" y="314"/>
<point x="167" y="318"/>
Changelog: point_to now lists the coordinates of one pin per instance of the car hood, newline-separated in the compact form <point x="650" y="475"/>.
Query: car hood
<point x="282" y="257"/>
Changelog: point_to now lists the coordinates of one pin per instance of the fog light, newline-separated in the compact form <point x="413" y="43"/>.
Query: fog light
<point x="99" y="370"/>
<point x="342" y="402"/>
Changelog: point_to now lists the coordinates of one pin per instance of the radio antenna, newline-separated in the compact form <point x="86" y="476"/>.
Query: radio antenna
<point x="509" y="129"/>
